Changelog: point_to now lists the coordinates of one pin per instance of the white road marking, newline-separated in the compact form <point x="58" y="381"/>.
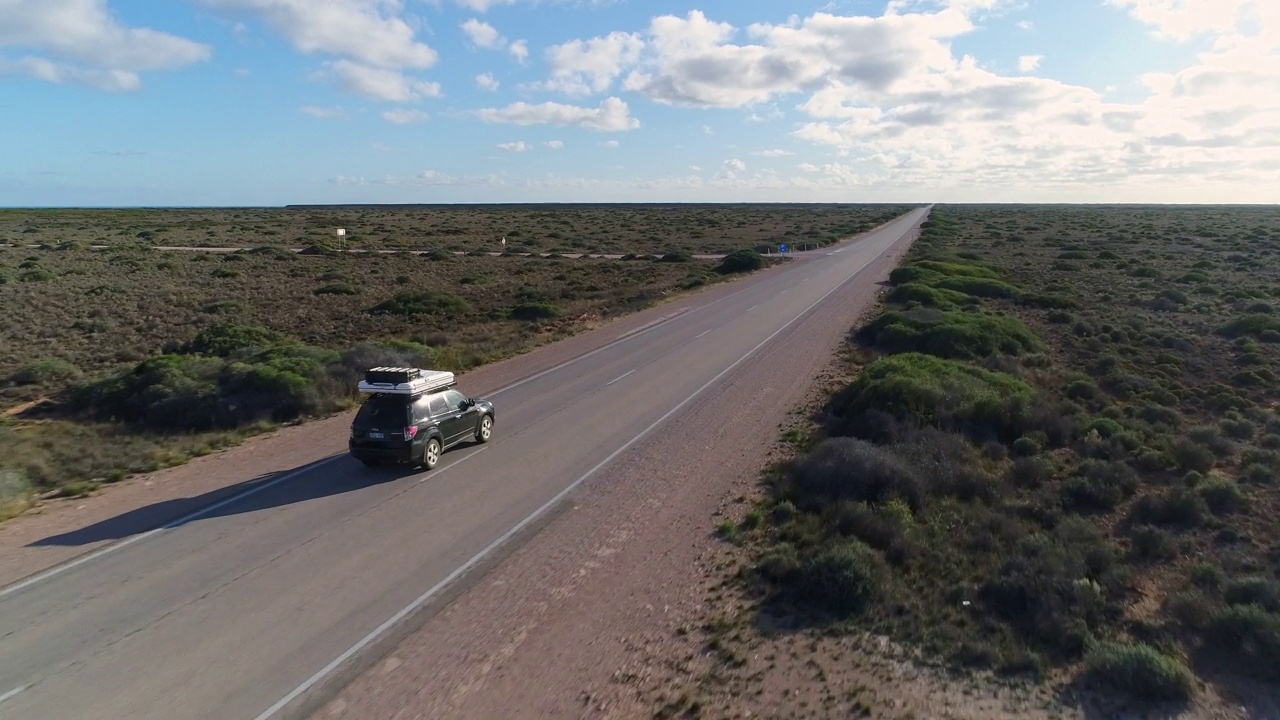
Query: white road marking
<point x="708" y="332"/>
<point x="168" y="526"/>
<point x="480" y="556"/>
<point x="619" y="377"/>
<point x="9" y="695"/>
<point x="784" y="291"/>
<point x="753" y="307"/>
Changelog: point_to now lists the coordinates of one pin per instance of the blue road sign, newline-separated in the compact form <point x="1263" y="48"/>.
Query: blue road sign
<point x="782" y="248"/>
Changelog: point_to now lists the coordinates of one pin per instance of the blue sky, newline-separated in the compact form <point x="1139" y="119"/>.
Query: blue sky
<point x="270" y="102"/>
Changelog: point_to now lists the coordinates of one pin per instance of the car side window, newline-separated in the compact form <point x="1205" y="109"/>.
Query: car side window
<point x="438" y="405"/>
<point x="455" y="399"/>
<point x="421" y="410"/>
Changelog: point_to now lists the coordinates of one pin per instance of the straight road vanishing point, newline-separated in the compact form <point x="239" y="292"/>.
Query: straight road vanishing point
<point x="243" y="610"/>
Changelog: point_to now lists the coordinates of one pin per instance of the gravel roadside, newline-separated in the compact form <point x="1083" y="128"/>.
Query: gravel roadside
<point x="597" y="615"/>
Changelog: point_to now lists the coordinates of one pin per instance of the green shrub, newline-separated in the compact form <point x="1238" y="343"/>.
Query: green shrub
<point x="1191" y="455"/>
<point x="979" y="287"/>
<point x="740" y="261"/>
<point x="1223" y="496"/>
<point x="1253" y="590"/>
<point x="953" y="335"/>
<point x="338" y="289"/>
<point x="924" y="390"/>
<point x="780" y="565"/>
<point x="227" y="339"/>
<point x="848" y="469"/>
<point x="535" y="311"/>
<point x="676" y="256"/>
<point x="1178" y="507"/>
<point x="1140" y="671"/>
<point x="38" y="372"/>
<point x="1098" y="485"/>
<point x="927" y="296"/>
<point x="1250" y="636"/>
<point x="1247" y="325"/>
<point x="842" y="579"/>
<point x="37" y="274"/>
<point x="412" y="303"/>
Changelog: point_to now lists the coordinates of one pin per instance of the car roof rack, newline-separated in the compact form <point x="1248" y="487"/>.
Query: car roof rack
<point x="405" y="381"/>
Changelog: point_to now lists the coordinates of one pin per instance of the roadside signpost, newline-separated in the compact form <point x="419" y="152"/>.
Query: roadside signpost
<point x="342" y="235"/>
<point x="782" y="248"/>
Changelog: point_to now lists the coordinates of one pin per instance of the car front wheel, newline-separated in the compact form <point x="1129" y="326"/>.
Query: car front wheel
<point x="431" y="454"/>
<point x="485" y="431"/>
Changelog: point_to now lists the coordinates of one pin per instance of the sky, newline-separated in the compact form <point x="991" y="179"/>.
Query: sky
<point x="274" y="102"/>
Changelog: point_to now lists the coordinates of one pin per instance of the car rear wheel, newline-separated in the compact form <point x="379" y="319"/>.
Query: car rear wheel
<point x="485" y="430"/>
<point x="431" y="454"/>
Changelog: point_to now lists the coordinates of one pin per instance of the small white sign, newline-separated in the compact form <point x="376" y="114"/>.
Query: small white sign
<point x="341" y="232"/>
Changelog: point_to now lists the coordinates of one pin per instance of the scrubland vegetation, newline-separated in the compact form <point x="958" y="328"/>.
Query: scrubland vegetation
<point x="125" y="359"/>
<point x="603" y="229"/>
<point x="1059" y="457"/>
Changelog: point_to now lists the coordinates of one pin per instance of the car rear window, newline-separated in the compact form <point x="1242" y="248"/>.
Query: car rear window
<point x="382" y="411"/>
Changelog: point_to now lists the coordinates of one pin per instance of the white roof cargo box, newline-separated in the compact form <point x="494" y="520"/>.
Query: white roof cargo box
<point x="405" y="381"/>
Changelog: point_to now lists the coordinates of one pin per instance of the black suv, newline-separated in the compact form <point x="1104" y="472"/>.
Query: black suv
<point x="417" y="429"/>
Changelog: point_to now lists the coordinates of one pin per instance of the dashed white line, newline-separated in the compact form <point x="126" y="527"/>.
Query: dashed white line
<point x="753" y="307"/>
<point x="9" y="695"/>
<point x="168" y="526"/>
<point x="619" y="377"/>
<point x="708" y="332"/>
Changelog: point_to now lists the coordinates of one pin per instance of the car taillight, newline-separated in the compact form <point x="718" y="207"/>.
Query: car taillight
<point x="410" y="432"/>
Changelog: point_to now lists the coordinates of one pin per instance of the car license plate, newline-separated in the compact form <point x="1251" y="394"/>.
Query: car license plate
<point x="376" y="436"/>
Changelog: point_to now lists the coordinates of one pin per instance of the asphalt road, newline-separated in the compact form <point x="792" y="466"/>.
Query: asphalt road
<point x="235" y="612"/>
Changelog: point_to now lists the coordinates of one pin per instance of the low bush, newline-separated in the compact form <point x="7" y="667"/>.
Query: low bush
<point x="927" y="296"/>
<point x="45" y="371"/>
<point x="924" y="390"/>
<point x="1140" y="671"/>
<point x="953" y="335"/>
<point x="843" y="579"/>
<point x="849" y="469"/>
<point x="535" y="311"/>
<point x="1249" y="635"/>
<point x="420" y="302"/>
<point x="1248" y="325"/>
<point x="740" y="261"/>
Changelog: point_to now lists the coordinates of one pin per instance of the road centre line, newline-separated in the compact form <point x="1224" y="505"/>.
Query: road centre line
<point x="9" y="695"/>
<point x="619" y="377"/>
<point x="432" y="474"/>
<point x="59" y="569"/>
<point x="493" y="546"/>
<point x="706" y="332"/>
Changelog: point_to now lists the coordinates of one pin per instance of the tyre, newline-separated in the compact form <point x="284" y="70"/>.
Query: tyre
<point x="484" y="431"/>
<point x="431" y="454"/>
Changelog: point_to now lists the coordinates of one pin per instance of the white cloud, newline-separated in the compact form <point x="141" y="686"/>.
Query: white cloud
<point x="85" y="44"/>
<point x="584" y="67"/>
<point x="1026" y="25"/>
<point x="482" y="34"/>
<point x="555" y="144"/>
<point x="427" y="178"/>
<point x="486" y="81"/>
<point x="775" y="153"/>
<point x="735" y="165"/>
<point x="1182" y="19"/>
<point x="708" y="130"/>
<point x="380" y="83"/>
<point x="519" y="50"/>
<point x="515" y="146"/>
<point x="367" y="31"/>
<point x="890" y="99"/>
<point x="321" y="112"/>
<point x="610" y="144"/>
<point x="613" y="115"/>
<point x="375" y="43"/>
<point x="405" y="117"/>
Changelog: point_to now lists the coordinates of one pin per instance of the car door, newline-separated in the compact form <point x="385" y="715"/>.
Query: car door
<point x="443" y="417"/>
<point x="460" y="421"/>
